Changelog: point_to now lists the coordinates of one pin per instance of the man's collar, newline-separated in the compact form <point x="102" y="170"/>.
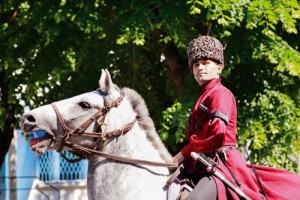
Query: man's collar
<point x="210" y="84"/>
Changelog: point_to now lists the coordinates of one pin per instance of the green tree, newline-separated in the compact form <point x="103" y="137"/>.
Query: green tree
<point x="53" y="49"/>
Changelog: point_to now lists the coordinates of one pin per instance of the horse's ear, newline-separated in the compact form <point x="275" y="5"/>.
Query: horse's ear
<point x="105" y="82"/>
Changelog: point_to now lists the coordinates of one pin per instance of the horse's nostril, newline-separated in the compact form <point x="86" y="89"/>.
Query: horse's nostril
<point x="28" y="122"/>
<point x="30" y="118"/>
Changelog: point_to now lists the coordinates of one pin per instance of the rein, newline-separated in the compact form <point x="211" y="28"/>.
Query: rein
<point x="83" y="152"/>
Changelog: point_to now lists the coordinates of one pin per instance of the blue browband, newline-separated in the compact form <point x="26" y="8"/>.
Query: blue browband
<point x="102" y="92"/>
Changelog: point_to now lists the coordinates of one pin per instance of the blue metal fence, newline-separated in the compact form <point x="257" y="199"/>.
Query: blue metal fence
<point x="54" y="167"/>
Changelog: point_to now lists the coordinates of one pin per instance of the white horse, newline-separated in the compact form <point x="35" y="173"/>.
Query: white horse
<point x="109" y="127"/>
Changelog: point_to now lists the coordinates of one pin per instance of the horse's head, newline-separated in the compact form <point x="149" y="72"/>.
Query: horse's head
<point x="67" y="116"/>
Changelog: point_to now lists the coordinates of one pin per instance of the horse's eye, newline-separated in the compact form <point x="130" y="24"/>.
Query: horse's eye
<point x="84" y="105"/>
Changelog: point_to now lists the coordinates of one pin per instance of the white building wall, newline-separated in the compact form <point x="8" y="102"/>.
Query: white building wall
<point x="59" y="190"/>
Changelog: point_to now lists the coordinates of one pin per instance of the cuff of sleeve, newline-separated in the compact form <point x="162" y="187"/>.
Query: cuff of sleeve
<point x="186" y="151"/>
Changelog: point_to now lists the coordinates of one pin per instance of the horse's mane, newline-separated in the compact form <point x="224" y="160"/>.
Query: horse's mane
<point x="139" y="106"/>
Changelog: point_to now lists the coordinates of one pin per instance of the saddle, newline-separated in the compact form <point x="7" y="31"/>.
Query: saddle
<point x="178" y="189"/>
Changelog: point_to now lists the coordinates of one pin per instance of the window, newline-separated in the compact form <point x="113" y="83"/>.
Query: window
<point x="53" y="167"/>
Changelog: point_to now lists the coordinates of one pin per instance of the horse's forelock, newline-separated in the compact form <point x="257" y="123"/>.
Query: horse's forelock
<point x="145" y="122"/>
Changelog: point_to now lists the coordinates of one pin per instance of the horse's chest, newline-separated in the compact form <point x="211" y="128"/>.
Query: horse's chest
<point x="122" y="181"/>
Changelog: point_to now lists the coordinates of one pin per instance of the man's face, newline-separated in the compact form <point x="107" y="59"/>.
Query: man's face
<point x="206" y="70"/>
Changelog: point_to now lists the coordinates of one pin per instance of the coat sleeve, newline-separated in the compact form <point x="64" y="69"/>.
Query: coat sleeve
<point x="215" y="131"/>
<point x="212" y="134"/>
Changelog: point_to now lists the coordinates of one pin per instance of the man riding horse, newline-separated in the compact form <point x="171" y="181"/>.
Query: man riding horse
<point x="212" y="131"/>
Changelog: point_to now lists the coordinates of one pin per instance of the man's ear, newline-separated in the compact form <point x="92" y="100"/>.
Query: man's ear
<point x="220" y="68"/>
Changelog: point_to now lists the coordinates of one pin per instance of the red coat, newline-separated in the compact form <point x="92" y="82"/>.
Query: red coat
<point x="212" y="125"/>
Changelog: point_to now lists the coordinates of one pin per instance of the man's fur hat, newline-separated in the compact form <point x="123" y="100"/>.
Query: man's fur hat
<point x="205" y="47"/>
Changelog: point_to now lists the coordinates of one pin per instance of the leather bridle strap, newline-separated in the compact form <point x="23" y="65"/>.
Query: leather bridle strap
<point x="68" y="131"/>
<point x="102" y="138"/>
<point x="61" y="120"/>
<point x="88" y="152"/>
<point x="100" y="115"/>
<point x="65" y="128"/>
<point x="83" y="126"/>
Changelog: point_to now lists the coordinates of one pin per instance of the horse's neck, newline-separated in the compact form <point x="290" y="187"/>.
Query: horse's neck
<point x="108" y="179"/>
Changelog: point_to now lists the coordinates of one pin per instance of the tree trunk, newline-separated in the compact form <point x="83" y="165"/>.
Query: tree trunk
<point x="8" y="109"/>
<point x="176" y="66"/>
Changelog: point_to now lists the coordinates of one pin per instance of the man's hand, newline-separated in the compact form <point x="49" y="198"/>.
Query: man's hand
<point x="178" y="158"/>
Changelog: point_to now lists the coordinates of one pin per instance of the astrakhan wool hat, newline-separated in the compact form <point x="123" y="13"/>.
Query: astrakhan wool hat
<point x="205" y="47"/>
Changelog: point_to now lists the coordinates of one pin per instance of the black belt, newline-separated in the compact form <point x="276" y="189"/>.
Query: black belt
<point x="221" y="153"/>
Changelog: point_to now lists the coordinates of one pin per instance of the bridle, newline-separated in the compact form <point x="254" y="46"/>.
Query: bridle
<point x="100" y="138"/>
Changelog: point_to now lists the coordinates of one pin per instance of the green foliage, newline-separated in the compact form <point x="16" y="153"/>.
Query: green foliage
<point x="274" y="18"/>
<point x="270" y="13"/>
<point x="278" y="52"/>
<point x="269" y="122"/>
<point x="228" y="14"/>
<point x="175" y="120"/>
